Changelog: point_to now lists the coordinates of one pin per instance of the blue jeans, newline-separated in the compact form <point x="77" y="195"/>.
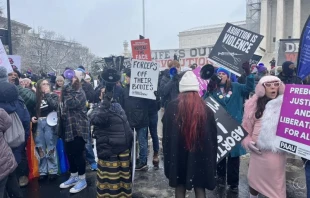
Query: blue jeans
<point x="90" y="155"/>
<point x="143" y="144"/>
<point x="153" y="130"/>
<point x="46" y="140"/>
<point x="307" y="170"/>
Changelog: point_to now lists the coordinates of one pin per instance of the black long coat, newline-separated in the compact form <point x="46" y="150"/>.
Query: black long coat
<point x="191" y="169"/>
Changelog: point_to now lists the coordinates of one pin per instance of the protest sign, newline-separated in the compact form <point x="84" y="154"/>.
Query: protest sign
<point x="303" y="63"/>
<point x="288" y="51"/>
<point x="293" y="134"/>
<point x="4" y="60"/>
<point x="186" y="57"/>
<point x="234" y="47"/>
<point x="141" y="49"/>
<point x="15" y="61"/>
<point x="114" y="62"/>
<point x="229" y="132"/>
<point x="144" y="79"/>
<point x="255" y="59"/>
<point x="203" y="84"/>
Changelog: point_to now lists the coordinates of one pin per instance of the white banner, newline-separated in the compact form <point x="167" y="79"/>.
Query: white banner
<point x="144" y="79"/>
<point x="4" y="60"/>
<point x="186" y="57"/>
<point x="15" y="61"/>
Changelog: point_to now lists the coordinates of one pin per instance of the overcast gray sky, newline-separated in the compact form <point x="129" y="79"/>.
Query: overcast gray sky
<point x="103" y="25"/>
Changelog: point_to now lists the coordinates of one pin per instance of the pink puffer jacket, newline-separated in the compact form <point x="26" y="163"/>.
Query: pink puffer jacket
<point x="7" y="159"/>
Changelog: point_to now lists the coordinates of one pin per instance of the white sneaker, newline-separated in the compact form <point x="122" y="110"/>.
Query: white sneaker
<point x="82" y="184"/>
<point x="70" y="182"/>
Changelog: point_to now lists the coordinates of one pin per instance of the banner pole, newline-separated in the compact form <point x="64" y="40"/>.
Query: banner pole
<point x="143" y="17"/>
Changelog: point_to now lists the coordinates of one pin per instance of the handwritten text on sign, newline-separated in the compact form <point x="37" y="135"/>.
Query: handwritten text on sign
<point x="144" y="79"/>
<point x="294" y="124"/>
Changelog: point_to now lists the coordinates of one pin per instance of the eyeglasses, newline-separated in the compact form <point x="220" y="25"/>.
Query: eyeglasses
<point x="269" y="84"/>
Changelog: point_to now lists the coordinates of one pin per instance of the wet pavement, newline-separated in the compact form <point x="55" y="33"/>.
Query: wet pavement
<point x="153" y="183"/>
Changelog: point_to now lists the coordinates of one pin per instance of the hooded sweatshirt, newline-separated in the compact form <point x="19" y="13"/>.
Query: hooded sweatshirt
<point x="288" y="75"/>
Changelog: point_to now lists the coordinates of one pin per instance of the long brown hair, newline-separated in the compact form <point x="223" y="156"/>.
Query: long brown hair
<point x="39" y="97"/>
<point x="192" y="119"/>
<point x="261" y="105"/>
<point x="227" y="86"/>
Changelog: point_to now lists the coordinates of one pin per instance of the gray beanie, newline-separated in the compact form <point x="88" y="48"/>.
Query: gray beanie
<point x="3" y="75"/>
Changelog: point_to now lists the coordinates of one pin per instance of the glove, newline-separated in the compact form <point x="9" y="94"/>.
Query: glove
<point x="211" y="86"/>
<point x="253" y="148"/>
<point x="247" y="68"/>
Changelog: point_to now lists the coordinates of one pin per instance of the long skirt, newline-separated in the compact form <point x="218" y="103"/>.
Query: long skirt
<point x="267" y="174"/>
<point x="114" y="176"/>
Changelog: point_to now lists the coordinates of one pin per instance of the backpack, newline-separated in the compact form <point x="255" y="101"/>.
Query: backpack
<point x="15" y="135"/>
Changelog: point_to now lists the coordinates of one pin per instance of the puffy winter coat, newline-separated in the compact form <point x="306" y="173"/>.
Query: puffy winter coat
<point x="89" y="91"/>
<point x="136" y="110"/>
<point x="7" y="159"/>
<point x="19" y="107"/>
<point x="29" y="98"/>
<point x="111" y="130"/>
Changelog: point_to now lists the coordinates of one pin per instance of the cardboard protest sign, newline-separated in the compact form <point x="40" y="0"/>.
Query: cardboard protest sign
<point x="15" y="61"/>
<point x="255" y="59"/>
<point x="303" y="63"/>
<point x="288" y="51"/>
<point x="203" y="84"/>
<point x="234" y="47"/>
<point x="144" y="79"/>
<point x="4" y="60"/>
<point x="229" y="132"/>
<point x="293" y="134"/>
<point x="141" y="49"/>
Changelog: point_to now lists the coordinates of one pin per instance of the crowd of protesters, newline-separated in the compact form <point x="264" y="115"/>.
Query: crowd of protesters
<point x="110" y="115"/>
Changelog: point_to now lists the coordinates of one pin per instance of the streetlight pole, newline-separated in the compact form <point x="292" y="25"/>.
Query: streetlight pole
<point x="9" y="27"/>
<point x="143" y="8"/>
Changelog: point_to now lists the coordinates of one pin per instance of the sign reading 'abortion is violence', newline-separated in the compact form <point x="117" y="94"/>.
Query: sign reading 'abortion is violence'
<point x="293" y="134"/>
<point x="144" y="79"/>
<point x="234" y="47"/>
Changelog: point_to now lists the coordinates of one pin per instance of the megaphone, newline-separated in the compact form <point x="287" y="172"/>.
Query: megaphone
<point x="110" y="76"/>
<point x="173" y="71"/>
<point x="52" y="119"/>
<point x="69" y="74"/>
<point x="207" y="72"/>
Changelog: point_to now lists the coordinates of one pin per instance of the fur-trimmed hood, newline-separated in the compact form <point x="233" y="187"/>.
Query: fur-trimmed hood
<point x="270" y="119"/>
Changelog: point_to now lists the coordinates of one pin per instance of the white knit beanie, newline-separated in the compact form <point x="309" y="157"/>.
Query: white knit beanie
<point x="189" y="82"/>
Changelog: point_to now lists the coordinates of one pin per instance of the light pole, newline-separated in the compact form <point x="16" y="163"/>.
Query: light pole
<point x="143" y="8"/>
<point x="9" y="28"/>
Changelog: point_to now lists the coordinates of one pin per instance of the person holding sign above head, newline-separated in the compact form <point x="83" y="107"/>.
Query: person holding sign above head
<point x="189" y="141"/>
<point x="266" y="174"/>
<point x="230" y="95"/>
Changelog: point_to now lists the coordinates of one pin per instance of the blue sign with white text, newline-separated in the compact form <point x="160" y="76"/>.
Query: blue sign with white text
<point x="303" y="63"/>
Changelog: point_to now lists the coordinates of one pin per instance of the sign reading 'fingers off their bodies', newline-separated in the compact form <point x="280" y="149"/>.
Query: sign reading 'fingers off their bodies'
<point x="293" y="133"/>
<point x="144" y="79"/>
<point x="234" y="47"/>
<point x="229" y="132"/>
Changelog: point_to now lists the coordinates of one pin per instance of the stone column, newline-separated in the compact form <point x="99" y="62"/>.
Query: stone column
<point x="280" y="20"/>
<point x="296" y="19"/>
<point x="264" y="23"/>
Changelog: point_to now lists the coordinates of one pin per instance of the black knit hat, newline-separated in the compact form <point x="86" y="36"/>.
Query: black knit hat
<point x="8" y="92"/>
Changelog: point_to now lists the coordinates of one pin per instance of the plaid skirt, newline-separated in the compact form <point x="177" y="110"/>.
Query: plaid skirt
<point x="114" y="176"/>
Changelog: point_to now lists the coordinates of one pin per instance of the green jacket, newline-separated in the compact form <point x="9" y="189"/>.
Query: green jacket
<point x="234" y="105"/>
<point x="29" y="98"/>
